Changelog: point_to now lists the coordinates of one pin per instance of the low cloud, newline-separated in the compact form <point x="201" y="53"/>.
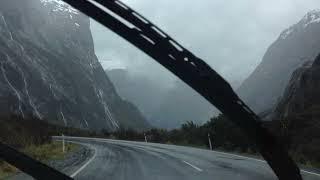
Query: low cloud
<point x="231" y="36"/>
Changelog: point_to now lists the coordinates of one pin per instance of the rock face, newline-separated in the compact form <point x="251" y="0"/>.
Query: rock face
<point x="302" y="95"/>
<point x="296" y="117"/>
<point x="49" y="68"/>
<point x="294" y="47"/>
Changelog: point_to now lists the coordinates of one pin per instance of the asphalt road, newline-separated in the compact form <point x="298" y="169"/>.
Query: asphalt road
<point x="126" y="160"/>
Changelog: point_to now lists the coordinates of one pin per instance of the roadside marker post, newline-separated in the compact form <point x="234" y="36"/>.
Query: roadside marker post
<point x="63" y="144"/>
<point x="210" y="145"/>
<point x="145" y="137"/>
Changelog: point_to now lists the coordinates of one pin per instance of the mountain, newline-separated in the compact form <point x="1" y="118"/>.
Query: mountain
<point x="164" y="107"/>
<point x="294" y="47"/>
<point x="49" y="69"/>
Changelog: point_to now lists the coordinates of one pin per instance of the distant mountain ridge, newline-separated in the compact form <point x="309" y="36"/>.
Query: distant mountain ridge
<point x="295" y="46"/>
<point x="48" y="69"/>
<point x="164" y="108"/>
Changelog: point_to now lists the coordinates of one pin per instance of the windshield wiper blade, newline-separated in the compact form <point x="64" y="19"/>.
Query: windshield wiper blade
<point x="194" y="72"/>
<point x="28" y="165"/>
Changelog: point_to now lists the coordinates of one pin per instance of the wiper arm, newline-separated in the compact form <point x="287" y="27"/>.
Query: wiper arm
<point x="194" y="72"/>
<point x="29" y="165"/>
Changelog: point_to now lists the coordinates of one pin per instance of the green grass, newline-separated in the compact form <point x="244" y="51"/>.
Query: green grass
<point x="43" y="153"/>
<point x="51" y="151"/>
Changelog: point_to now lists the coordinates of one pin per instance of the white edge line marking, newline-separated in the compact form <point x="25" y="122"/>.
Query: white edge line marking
<point x="235" y="155"/>
<point x="85" y="165"/>
<point x="316" y="174"/>
<point x="313" y="173"/>
<point x="195" y="167"/>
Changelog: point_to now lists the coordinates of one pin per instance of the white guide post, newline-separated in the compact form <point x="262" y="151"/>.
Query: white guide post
<point x="63" y="144"/>
<point x="210" y="145"/>
<point x="145" y="137"/>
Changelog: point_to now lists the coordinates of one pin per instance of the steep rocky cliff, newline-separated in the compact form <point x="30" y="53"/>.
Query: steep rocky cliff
<point x="296" y="118"/>
<point x="48" y="68"/>
<point x="295" y="46"/>
<point x="302" y="95"/>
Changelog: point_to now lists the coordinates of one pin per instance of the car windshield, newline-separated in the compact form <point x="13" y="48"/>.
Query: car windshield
<point x="92" y="89"/>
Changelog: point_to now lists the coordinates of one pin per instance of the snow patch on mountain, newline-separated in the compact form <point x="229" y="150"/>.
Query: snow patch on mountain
<point x="286" y="33"/>
<point x="311" y="17"/>
<point x="61" y="6"/>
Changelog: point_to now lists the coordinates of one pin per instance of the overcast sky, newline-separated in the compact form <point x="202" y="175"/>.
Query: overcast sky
<point x="230" y="35"/>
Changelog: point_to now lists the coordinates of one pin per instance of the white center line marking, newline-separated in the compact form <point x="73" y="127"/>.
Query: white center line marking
<point x="308" y="172"/>
<point x="195" y="167"/>
<point x="85" y="165"/>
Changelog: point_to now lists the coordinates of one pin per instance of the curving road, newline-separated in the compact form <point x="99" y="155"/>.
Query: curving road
<point x="124" y="160"/>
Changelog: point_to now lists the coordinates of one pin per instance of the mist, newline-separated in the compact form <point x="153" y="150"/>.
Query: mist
<point x="231" y="36"/>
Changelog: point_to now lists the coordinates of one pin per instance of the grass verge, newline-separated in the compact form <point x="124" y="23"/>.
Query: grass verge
<point x="43" y="153"/>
